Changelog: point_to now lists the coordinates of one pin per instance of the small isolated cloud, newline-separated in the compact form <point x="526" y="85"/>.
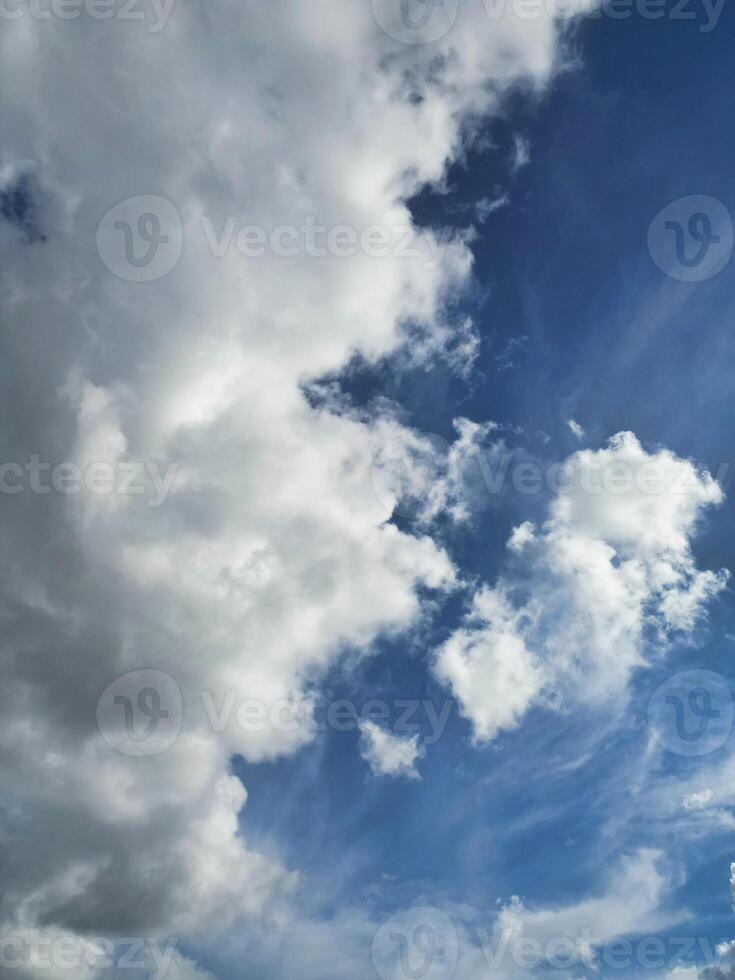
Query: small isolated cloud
<point x="521" y="155"/>
<point x="388" y="754"/>
<point x="488" y="205"/>
<point x="697" y="801"/>
<point x="520" y="536"/>
<point x="576" y="428"/>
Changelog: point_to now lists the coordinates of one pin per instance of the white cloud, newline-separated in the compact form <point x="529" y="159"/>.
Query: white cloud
<point x="612" y="562"/>
<point x="388" y="754"/>
<point x="521" y="152"/>
<point x="630" y="897"/>
<point x="521" y="536"/>
<point x="489" y="205"/>
<point x="272" y="552"/>
<point x="424" y="476"/>
<point x="683" y="973"/>
<point x="492" y="672"/>
<point x="576" y="428"/>
<point x="697" y="801"/>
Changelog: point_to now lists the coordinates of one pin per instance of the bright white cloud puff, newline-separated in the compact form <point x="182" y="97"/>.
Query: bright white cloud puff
<point x="611" y="563"/>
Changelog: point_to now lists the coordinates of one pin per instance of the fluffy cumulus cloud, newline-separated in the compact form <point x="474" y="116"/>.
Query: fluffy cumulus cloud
<point x="610" y="573"/>
<point x="254" y="548"/>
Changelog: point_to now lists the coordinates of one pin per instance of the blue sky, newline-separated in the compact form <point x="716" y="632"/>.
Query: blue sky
<point x="536" y="644"/>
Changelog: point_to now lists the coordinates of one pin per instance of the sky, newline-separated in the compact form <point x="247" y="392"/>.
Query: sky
<point x="366" y="490"/>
